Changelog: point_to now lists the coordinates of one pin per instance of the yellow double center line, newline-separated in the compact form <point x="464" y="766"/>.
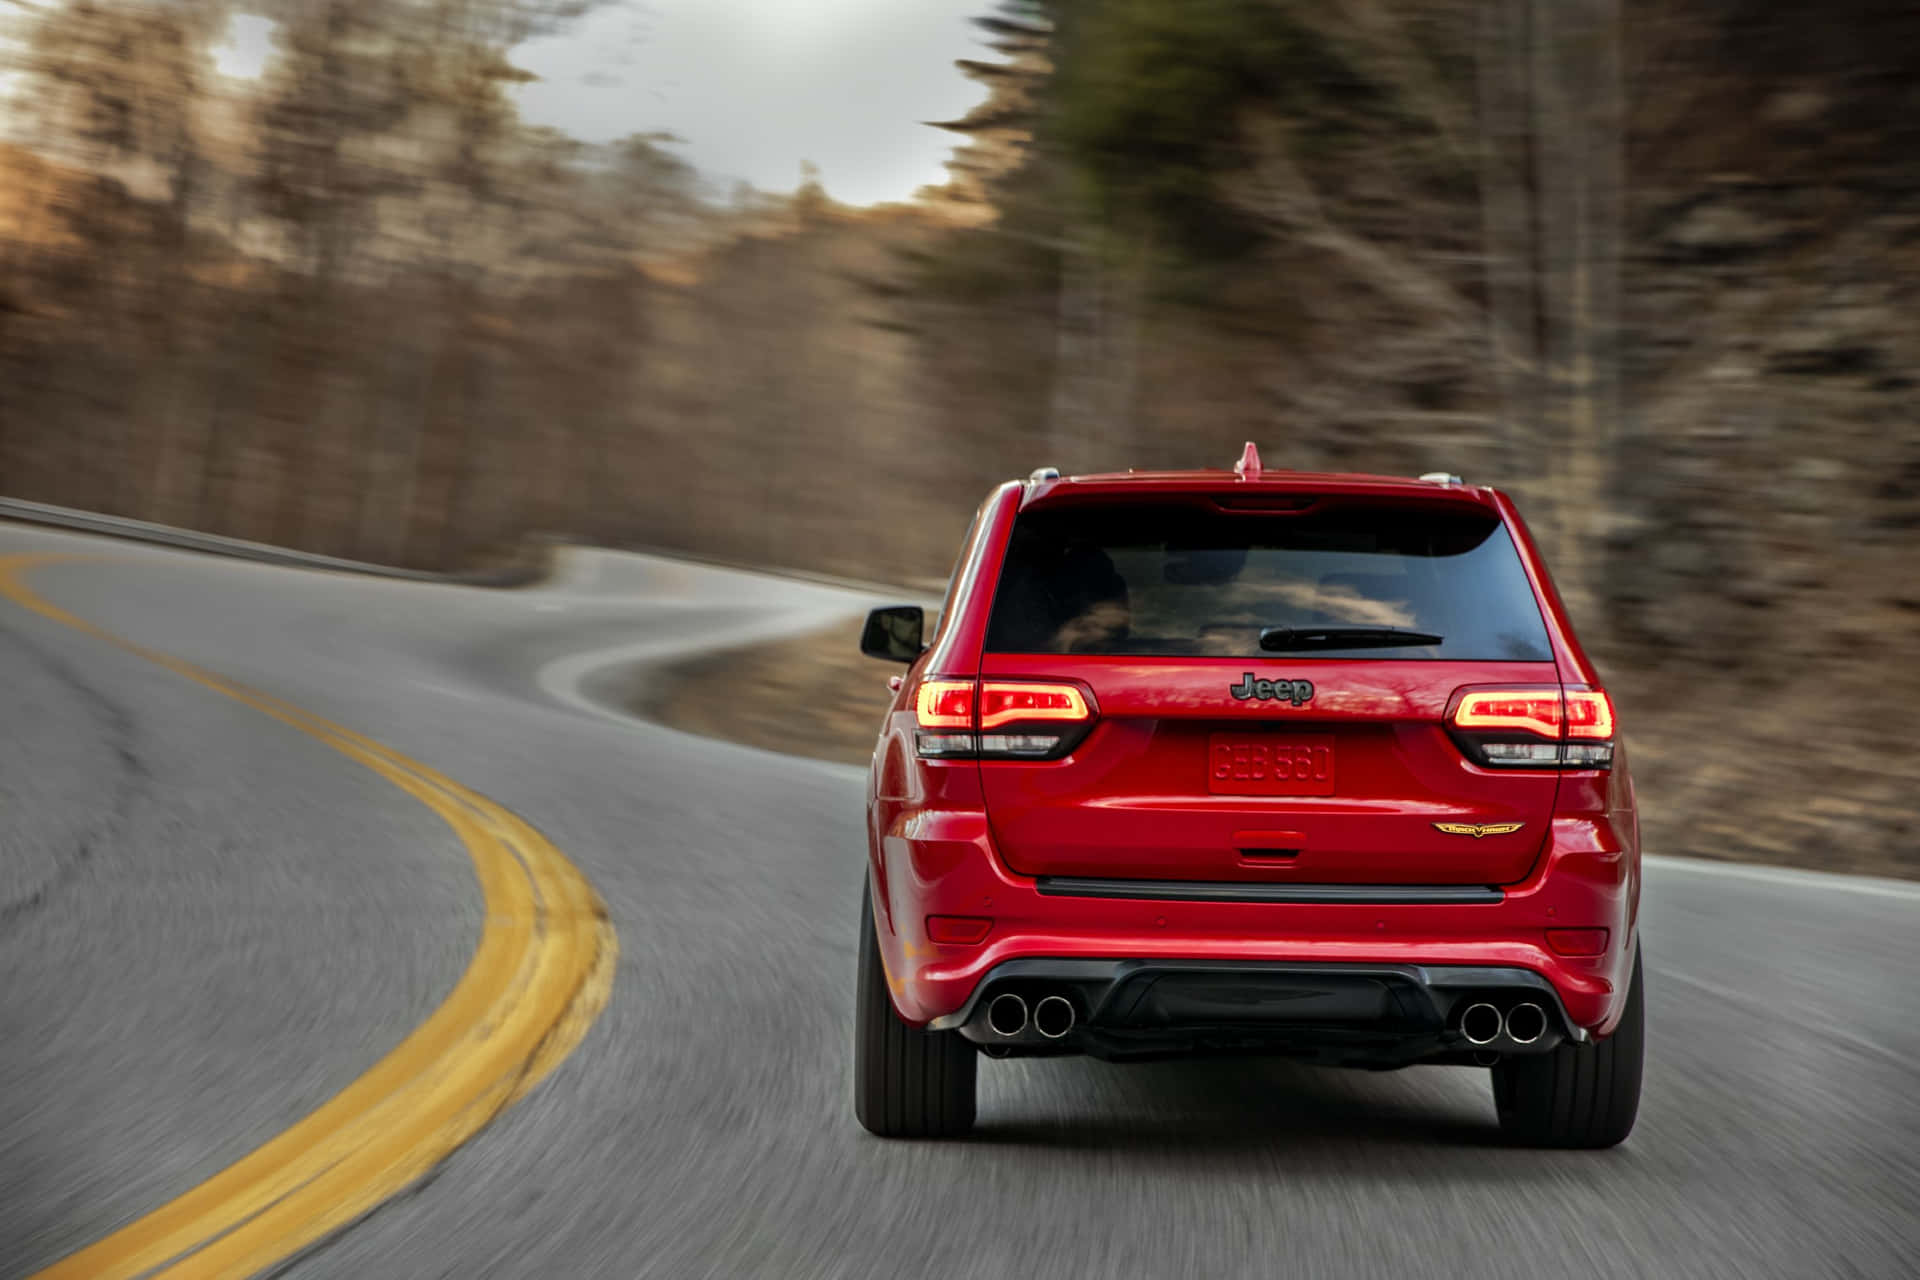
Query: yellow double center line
<point x="541" y="974"/>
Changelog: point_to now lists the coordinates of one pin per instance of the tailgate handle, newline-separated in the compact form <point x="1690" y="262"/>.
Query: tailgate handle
<point x="1269" y="844"/>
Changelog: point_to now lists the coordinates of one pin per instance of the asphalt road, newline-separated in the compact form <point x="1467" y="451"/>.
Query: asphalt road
<point x="209" y="924"/>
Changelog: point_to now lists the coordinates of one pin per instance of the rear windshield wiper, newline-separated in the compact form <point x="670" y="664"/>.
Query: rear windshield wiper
<point x="1301" y="639"/>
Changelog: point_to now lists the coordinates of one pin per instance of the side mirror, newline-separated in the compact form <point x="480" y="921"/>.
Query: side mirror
<point x="894" y="633"/>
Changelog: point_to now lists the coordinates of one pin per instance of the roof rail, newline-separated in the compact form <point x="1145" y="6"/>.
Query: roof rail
<point x="1440" y="477"/>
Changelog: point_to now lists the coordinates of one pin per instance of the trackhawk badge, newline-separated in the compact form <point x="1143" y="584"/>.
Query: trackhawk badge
<point x="1298" y="692"/>
<point x="1484" y="829"/>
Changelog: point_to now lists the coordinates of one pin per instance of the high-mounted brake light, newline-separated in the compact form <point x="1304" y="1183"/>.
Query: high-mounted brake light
<point x="950" y="713"/>
<point x="1534" y="728"/>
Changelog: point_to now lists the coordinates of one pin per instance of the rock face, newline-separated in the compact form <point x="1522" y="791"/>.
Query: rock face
<point x="1717" y="229"/>
<point x="1771" y="615"/>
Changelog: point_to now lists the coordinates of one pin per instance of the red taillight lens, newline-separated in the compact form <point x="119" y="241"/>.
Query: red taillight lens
<point x="1013" y="703"/>
<point x="945" y="704"/>
<point x="1535" y="728"/>
<point x="1510" y="711"/>
<point x="1589" y="714"/>
<point x="945" y="708"/>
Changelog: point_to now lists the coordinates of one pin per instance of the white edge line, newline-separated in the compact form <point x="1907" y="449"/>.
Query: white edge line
<point x="1827" y="881"/>
<point x="562" y="678"/>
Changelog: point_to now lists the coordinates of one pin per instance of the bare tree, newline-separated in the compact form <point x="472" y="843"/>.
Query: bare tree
<point x="1553" y="191"/>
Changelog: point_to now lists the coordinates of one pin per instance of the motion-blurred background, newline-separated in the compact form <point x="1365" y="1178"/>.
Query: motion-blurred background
<point x="326" y="273"/>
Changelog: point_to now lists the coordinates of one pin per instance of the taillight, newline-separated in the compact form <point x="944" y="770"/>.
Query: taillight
<point x="946" y="704"/>
<point x="1005" y="703"/>
<point x="944" y="711"/>
<point x="1518" y="710"/>
<point x="1589" y="714"/>
<point x="1539" y="727"/>
<point x="1022" y="719"/>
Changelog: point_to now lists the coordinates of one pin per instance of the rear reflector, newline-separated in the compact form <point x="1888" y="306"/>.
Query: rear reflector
<point x="965" y="930"/>
<point x="1577" y="942"/>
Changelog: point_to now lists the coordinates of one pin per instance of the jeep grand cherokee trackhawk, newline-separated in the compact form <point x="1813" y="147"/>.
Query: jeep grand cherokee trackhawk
<point x="1250" y="762"/>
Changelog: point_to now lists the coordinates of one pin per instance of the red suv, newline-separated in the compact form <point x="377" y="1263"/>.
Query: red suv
<point x="1250" y="762"/>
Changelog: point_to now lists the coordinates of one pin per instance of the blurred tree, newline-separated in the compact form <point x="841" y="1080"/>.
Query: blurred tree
<point x="387" y="143"/>
<point x="1461" y="182"/>
<point x="810" y="199"/>
<point x="649" y="193"/>
<point x="316" y="175"/>
<point x="1552" y="187"/>
<point x="1149" y="104"/>
<point x="999" y="130"/>
<point x="115" y="84"/>
<point x="116" y="92"/>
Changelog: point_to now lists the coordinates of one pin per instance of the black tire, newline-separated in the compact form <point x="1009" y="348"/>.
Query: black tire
<point x="1580" y="1095"/>
<point x="907" y="1082"/>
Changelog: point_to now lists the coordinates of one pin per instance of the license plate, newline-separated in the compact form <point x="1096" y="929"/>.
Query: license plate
<point x="1270" y="765"/>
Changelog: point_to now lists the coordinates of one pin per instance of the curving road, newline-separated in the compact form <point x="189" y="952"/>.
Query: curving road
<point x="210" y="924"/>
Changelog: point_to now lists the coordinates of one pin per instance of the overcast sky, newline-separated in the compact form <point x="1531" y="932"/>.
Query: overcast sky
<point x="758" y="86"/>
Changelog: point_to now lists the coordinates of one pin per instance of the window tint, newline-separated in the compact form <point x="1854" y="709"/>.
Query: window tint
<point x="1188" y="581"/>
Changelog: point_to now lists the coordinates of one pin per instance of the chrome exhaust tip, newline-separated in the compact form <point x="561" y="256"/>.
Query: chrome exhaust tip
<point x="1526" y="1022"/>
<point x="1054" y="1016"/>
<point x="1480" y="1024"/>
<point x="1007" y="1014"/>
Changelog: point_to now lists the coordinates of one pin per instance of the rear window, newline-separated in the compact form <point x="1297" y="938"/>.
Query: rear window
<point x="1182" y="580"/>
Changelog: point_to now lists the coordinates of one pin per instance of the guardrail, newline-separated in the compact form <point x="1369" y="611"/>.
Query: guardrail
<point x="534" y="563"/>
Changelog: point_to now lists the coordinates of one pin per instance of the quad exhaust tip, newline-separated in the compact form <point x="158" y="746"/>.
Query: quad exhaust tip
<point x="1054" y="1016"/>
<point x="1526" y="1022"/>
<point x="1007" y="1015"/>
<point x="1480" y="1024"/>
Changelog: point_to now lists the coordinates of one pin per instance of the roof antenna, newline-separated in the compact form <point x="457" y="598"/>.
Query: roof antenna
<point x="1248" y="468"/>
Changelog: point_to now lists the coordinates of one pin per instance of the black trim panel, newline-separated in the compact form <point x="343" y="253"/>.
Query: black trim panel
<point x="1238" y="891"/>
<point x="1352" y="1013"/>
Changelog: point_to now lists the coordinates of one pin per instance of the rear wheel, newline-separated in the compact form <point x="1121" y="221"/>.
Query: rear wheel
<point x="1580" y="1095"/>
<point x="907" y="1082"/>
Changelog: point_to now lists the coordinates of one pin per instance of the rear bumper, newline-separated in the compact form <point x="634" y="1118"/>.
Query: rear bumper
<point x="944" y="863"/>
<point x="1362" y="1014"/>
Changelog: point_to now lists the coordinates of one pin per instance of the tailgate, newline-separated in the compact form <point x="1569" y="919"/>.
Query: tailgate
<point x="1270" y="692"/>
<point x="1181" y="780"/>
